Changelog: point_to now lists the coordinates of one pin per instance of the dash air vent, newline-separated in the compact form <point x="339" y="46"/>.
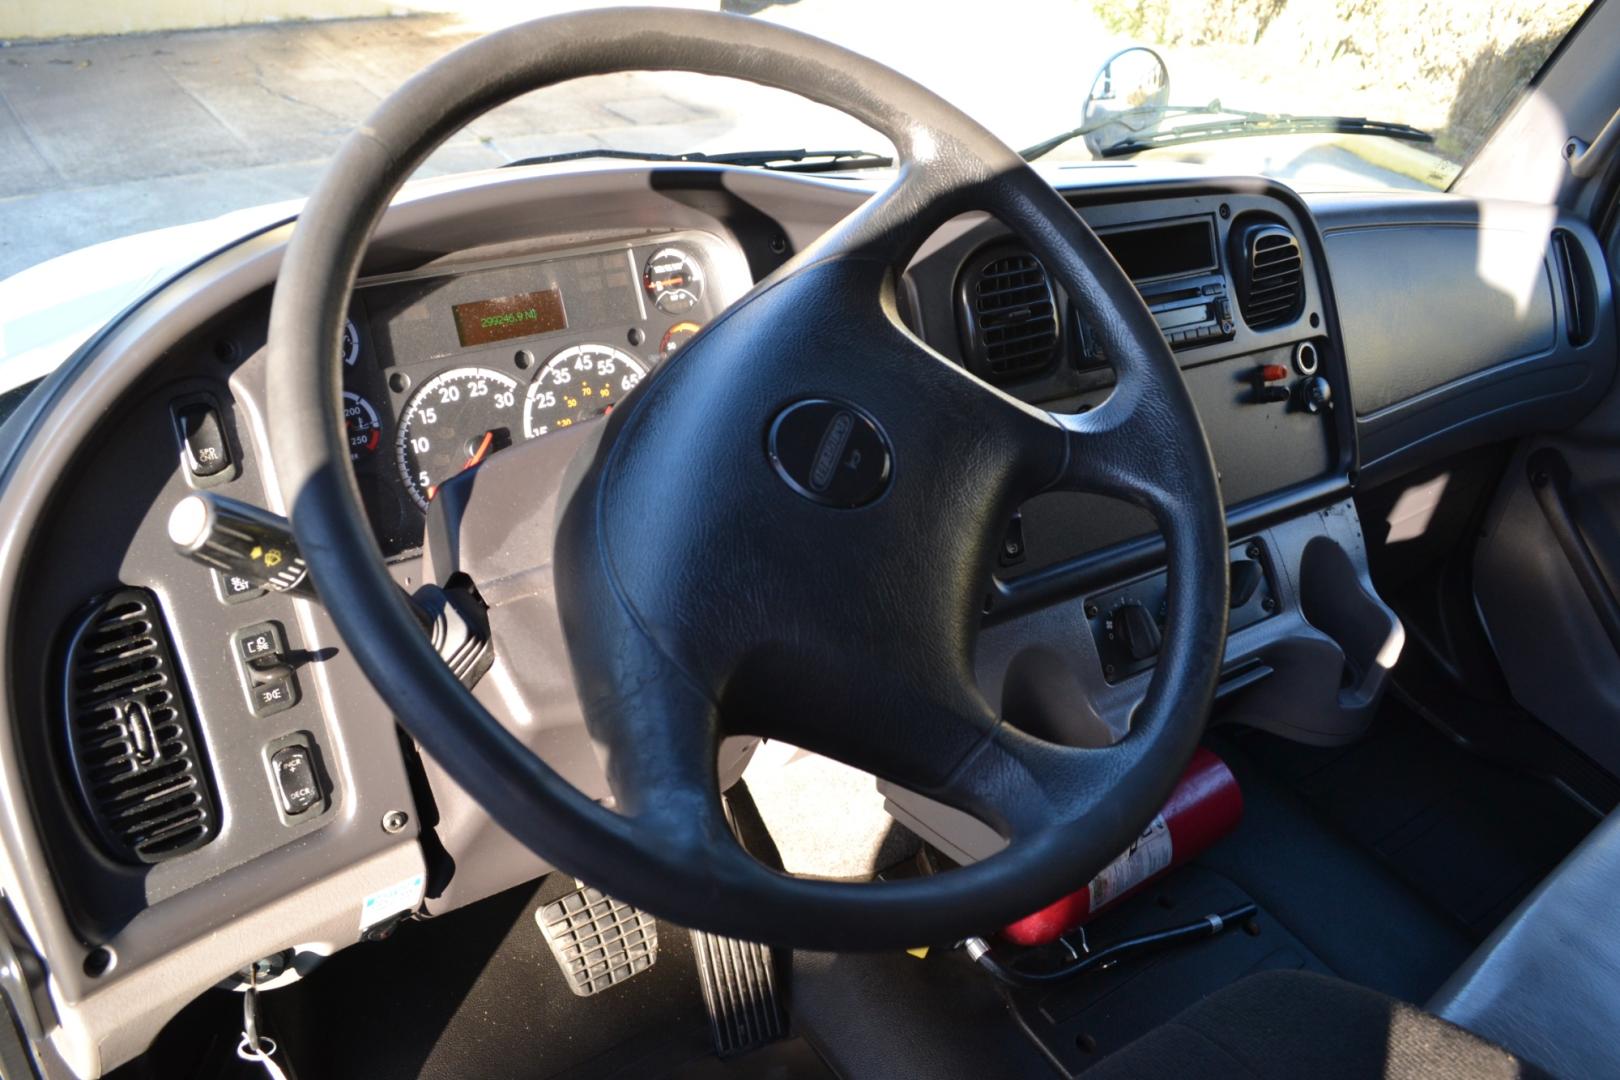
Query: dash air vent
<point x="1270" y="278"/>
<point x="1580" y="292"/>
<point x="132" y="745"/>
<point x="1007" y="314"/>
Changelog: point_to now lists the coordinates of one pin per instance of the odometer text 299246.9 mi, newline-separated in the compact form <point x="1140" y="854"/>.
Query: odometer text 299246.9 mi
<point x="579" y="384"/>
<point x="454" y="421"/>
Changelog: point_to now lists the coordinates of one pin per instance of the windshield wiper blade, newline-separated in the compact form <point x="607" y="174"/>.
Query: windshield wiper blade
<point x="1153" y="114"/>
<point x="779" y="160"/>
<point x="1252" y="124"/>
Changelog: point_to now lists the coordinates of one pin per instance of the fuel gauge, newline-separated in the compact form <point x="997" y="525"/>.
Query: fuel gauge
<point x="674" y="280"/>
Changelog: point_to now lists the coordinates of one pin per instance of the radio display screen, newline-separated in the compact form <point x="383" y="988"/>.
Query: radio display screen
<point x="1166" y="250"/>
<point x="1182" y="316"/>
<point x="480" y="322"/>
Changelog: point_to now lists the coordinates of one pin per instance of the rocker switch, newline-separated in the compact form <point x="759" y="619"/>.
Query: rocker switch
<point x="262" y="647"/>
<point x="296" y="786"/>
<point x="202" y="437"/>
<point x="267" y="672"/>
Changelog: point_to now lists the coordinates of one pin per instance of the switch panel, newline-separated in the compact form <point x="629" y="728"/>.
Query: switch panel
<point x="1127" y="621"/>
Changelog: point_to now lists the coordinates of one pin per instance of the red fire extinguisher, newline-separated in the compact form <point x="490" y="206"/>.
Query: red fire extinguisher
<point x="1205" y="806"/>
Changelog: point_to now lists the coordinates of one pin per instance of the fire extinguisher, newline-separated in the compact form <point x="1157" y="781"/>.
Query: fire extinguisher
<point x="1205" y="806"/>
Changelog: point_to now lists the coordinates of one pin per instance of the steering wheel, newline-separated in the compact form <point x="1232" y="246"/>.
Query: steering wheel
<point x="788" y="529"/>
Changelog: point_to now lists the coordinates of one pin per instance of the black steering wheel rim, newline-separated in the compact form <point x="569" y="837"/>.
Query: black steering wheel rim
<point x="668" y="850"/>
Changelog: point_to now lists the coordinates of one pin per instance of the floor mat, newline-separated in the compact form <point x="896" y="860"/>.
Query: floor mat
<point x="1349" y="908"/>
<point x="476" y="993"/>
<point x="1469" y="836"/>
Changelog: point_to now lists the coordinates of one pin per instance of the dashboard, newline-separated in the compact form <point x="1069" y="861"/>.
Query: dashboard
<point x="443" y="369"/>
<point x="1326" y="343"/>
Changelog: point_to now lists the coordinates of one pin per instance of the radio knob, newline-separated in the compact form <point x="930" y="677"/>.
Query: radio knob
<point x="1316" y="394"/>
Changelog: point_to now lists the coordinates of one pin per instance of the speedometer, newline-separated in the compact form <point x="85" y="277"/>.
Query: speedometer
<point x="454" y="421"/>
<point x="577" y="385"/>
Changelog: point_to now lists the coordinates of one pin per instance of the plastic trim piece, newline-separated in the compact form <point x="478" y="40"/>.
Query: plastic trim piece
<point x="1549" y="479"/>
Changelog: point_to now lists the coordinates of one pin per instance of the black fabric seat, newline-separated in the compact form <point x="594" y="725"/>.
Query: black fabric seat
<point x="1546" y="984"/>
<point x="1283" y="1025"/>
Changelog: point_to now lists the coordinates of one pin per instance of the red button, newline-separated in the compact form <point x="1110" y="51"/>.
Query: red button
<point x="1273" y="372"/>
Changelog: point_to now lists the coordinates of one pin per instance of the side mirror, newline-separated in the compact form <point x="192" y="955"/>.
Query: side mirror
<point x="1128" y="96"/>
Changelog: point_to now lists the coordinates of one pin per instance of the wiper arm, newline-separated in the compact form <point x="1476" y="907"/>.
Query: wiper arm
<point x="1252" y="124"/>
<point x="807" y="161"/>
<point x="1129" y="117"/>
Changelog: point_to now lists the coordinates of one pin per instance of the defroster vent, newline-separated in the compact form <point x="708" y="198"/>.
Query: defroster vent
<point x="132" y="744"/>
<point x="1007" y="314"/>
<point x="1270" y="275"/>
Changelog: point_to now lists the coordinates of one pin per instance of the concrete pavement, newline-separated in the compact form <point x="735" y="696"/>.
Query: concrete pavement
<point x="104" y="137"/>
<point x="101" y="138"/>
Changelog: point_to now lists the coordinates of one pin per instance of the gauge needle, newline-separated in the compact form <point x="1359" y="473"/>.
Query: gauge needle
<point x="483" y="449"/>
<point x="478" y="455"/>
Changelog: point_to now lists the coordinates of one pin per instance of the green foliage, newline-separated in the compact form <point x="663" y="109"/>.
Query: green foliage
<point x="1452" y="66"/>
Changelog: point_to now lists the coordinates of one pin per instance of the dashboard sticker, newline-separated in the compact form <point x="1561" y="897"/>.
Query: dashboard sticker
<point x="386" y="903"/>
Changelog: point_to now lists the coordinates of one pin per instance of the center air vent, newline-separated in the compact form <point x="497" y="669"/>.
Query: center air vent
<point x="132" y="745"/>
<point x="1270" y="279"/>
<point x="1007" y="314"/>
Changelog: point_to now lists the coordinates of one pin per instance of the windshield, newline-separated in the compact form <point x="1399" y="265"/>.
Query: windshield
<point x="145" y="125"/>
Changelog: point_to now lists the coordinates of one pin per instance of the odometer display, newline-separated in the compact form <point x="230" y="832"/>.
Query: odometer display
<point x="577" y="385"/>
<point x="484" y="321"/>
<point x="454" y="421"/>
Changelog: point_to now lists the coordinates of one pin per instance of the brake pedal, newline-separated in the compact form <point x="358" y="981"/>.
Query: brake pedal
<point x="739" y="989"/>
<point x="597" y="941"/>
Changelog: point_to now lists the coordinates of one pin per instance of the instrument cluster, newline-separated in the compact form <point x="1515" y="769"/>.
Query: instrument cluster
<point x="444" y="369"/>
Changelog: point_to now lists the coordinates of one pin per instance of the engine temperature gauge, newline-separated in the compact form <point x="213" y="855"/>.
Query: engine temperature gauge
<point x="676" y="336"/>
<point x="674" y="280"/>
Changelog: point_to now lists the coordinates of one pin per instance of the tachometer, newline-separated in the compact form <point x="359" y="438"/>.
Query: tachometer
<point x="674" y="280"/>
<point x="453" y="422"/>
<point x="579" y="384"/>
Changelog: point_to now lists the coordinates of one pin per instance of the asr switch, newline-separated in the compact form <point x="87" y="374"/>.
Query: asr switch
<point x="205" y="449"/>
<point x="266" y="667"/>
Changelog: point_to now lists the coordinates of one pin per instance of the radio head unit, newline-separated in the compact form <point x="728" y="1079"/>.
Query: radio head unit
<point x="1191" y="311"/>
<point x="1176" y="267"/>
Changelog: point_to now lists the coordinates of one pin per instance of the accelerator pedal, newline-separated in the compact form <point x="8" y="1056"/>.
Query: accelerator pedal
<point x="598" y="941"/>
<point x="739" y="988"/>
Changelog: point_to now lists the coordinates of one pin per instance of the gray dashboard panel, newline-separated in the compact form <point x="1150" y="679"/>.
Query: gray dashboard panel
<point x="79" y="411"/>
<point x="444" y="224"/>
<point x="1260" y="448"/>
<point x="1427" y="382"/>
<point x="1431" y="312"/>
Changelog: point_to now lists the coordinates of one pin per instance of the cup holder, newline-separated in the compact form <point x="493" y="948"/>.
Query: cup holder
<point x="1334" y="600"/>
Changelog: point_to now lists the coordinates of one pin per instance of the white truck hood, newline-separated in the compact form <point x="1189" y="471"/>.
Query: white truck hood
<point x="49" y="310"/>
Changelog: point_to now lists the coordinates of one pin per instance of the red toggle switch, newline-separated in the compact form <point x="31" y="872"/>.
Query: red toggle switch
<point x="1273" y="372"/>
